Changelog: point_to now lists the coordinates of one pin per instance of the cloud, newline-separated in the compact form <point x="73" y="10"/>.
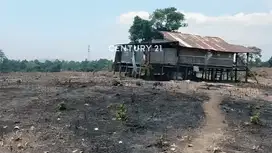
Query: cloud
<point x="251" y="29"/>
<point x="127" y="18"/>
<point x="240" y="18"/>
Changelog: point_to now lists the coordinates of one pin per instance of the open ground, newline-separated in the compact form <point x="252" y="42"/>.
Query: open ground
<point x="102" y="113"/>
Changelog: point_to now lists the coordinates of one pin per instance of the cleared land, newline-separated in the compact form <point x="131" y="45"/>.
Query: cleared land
<point x="85" y="112"/>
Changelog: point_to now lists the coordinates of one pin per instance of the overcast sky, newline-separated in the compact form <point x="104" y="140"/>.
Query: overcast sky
<point x="63" y="29"/>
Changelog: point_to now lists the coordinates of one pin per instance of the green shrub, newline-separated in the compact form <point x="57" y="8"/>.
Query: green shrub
<point x="255" y="119"/>
<point x="121" y="113"/>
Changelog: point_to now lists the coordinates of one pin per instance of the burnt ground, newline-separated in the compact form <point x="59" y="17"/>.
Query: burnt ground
<point x="246" y="137"/>
<point x="153" y="118"/>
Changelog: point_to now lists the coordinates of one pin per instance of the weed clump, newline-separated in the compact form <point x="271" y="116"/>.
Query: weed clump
<point x="116" y="83"/>
<point x="162" y="142"/>
<point x="62" y="106"/>
<point x="121" y="113"/>
<point x="155" y="84"/>
<point x="255" y="119"/>
<point x="255" y="115"/>
<point x="19" y="81"/>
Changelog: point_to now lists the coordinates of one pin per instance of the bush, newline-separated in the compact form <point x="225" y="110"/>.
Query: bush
<point x="116" y="83"/>
<point x="62" y="106"/>
<point x="121" y="113"/>
<point x="255" y="119"/>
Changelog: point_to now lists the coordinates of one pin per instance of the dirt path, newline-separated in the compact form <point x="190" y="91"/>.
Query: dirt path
<point x="212" y="132"/>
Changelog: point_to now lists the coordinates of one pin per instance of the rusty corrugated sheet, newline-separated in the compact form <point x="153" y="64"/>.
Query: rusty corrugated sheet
<point x="206" y="42"/>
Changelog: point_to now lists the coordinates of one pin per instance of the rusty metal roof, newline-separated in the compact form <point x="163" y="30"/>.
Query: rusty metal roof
<point x="204" y="42"/>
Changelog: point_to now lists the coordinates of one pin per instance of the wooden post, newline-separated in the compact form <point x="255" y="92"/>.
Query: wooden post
<point x="205" y="72"/>
<point x="236" y="75"/>
<point x="221" y="75"/>
<point x="212" y="74"/>
<point x="178" y="60"/>
<point x="227" y="75"/>
<point x="211" y="71"/>
<point x="114" y="66"/>
<point x="120" y="69"/>
<point x="231" y="76"/>
<point x="177" y="72"/>
<point x="148" y="66"/>
<point x="161" y="72"/>
<point x="247" y="69"/>
<point x="217" y="73"/>
<point x="186" y="73"/>
<point x="209" y="74"/>
<point x="202" y="76"/>
<point x="126" y="69"/>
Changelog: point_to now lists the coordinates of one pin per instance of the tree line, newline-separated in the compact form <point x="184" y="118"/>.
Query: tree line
<point x="10" y="65"/>
<point x="260" y="63"/>
<point x="255" y="58"/>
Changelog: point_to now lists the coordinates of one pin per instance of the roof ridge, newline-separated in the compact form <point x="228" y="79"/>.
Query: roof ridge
<point x="204" y="42"/>
<point x="192" y="34"/>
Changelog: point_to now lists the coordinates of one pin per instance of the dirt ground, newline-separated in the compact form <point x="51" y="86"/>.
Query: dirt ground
<point x="71" y="112"/>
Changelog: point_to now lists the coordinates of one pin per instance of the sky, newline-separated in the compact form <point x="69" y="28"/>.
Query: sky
<point x="63" y="29"/>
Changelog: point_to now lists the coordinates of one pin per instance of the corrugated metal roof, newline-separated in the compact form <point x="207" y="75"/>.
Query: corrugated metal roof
<point x="204" y="42"/>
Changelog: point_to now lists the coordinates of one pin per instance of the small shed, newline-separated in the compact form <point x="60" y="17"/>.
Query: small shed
<point x="180" y="55"/>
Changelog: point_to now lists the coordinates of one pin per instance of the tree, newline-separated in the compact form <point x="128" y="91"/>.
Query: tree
<point x="5" y="65"/>
<point x="23" y="65"/>
<point x="56" y="67"/>
<point x="255" y="57"/>
<point x="2" y="56"/>
<point x="141" y="30"/>
<point x="270" y="62"/>
<point x="168" y="19"/>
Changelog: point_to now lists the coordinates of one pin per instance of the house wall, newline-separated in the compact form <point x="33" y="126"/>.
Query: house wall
<point x="118" y="57"/>
<point x="196" y="56"/>
<point x="186" y="56"/>
<point x="166" y="56"/>
<point x="196" y="52"/>
<point x="126" y="57"/>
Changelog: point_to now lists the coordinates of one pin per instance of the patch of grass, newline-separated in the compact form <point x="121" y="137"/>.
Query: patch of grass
<point x="19" y="81"/>
<point x="146" y="69"/>
<point x="121" y="113"/>
<point x="116" y="83"/>
<point x="255" y="114"/>
<point x="162" y="142"/>
<point x="62" y="106"/>
<point x="255" y="119"/>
